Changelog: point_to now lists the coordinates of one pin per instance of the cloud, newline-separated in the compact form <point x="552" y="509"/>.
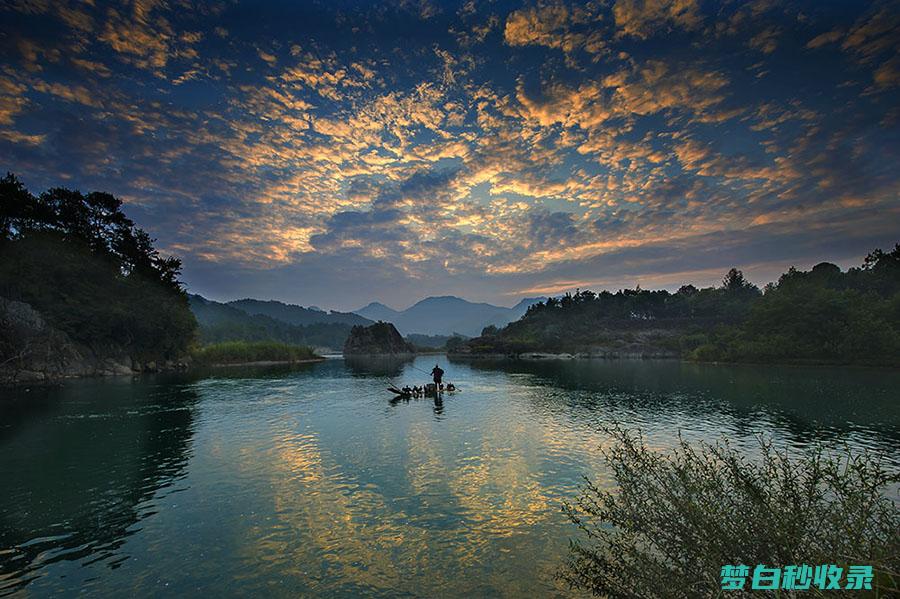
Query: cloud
<point x="873" y="39"/>
<point x="766" y="41"/>
<point x="555" y="26"/>
<point x="269" y="58"/>
<point x="490" y="151"/>
<point x="646" y="18"/>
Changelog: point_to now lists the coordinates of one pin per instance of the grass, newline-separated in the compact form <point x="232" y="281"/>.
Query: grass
<point x="674" y="519"/>
<point x="240" y="352"/>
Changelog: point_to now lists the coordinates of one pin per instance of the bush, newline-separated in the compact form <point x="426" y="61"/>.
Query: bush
<point x="238" y="352"/>
<point x="675" y="519"/>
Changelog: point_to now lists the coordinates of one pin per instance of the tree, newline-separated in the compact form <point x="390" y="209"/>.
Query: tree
<point x="90" y="272"/>
<point x="734" y="281"/>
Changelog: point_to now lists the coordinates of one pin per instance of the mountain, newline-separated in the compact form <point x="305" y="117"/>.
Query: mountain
<point x="224" y="322"/>
<point x="298" y="315"/>
<point x="526" y="303"/>
<point x="446" y="315"/>
<point x="376" y="311"/>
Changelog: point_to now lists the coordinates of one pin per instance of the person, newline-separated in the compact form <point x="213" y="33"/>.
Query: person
<point x="451" y="387"/>
<point x="437" y="373"/>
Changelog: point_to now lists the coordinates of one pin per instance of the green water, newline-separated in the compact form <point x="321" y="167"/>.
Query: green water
<point x="309" y="481"/>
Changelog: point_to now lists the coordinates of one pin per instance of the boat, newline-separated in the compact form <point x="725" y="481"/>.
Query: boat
<point x="429" y="390"/>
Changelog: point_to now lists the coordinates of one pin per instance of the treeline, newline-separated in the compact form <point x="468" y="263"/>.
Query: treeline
<point x="820" y="316"/>
<point x="91" y="272"/>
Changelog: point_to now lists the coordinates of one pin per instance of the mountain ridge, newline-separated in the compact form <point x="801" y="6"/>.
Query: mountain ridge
<point x="295" y="314"/>
<point x="446" y="315"/>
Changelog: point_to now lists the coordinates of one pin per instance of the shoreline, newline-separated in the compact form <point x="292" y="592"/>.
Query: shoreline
<point x="583" y="356"/>
<point x="59" y="380"/>
<point x="261" y="363"/>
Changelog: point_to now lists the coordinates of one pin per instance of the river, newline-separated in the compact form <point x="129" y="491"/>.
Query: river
<point x="308" y="480"/>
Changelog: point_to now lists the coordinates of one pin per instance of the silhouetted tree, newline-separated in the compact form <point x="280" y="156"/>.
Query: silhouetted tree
<point x="84" y="265"/>
<point x="734" y="281"/>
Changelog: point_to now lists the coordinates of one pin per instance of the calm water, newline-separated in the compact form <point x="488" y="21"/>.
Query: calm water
<point x="310" y="481"/>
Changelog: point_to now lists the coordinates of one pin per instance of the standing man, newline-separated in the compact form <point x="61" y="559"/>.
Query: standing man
<point x="437" y="373"/>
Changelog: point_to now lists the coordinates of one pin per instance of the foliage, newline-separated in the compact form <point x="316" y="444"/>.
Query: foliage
<point x="454" y="343"/>
<point x="224" y="322"/>
<point x="424" y="343"/>
<point x="237" y="352"/>
<point x="94" y="221"/>
<point x="627" y="318"/>
<point x="673" y="520"/>
<point x="821" y="316"/>
<point x="80" y="262"/>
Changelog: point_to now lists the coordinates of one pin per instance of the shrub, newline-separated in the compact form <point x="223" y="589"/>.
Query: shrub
<point x="237" y="352"/>
<point x="675" y="519"/>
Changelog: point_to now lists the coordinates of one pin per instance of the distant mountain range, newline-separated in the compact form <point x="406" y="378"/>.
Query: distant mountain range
<point x="438" y="317"/>
<point x="446" y="315"/>
<point x="297" y="315"/>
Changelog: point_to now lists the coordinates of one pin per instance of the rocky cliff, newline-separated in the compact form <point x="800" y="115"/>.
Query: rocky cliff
<point x="33" y="351"/>
<point x="381" y="338"/>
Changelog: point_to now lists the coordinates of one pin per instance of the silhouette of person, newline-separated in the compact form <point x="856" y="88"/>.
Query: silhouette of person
<point x="437" y="373"/>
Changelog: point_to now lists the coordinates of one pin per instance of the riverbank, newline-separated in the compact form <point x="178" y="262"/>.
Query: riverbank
<point x="59" y="359"/>
<point x="268" y="362"/>
<point x="234" y="353"/>
<point x="674" y="357"/>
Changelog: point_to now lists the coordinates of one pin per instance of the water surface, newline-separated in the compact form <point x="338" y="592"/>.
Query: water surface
<point x="309" y="480"/>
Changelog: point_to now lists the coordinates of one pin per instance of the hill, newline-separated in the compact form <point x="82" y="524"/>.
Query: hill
<point x="377" y="311"/>
<point x="381" y="338"/>
<point x="297" y="315"/>
<point x="220" y="322"/>
<point x="820" y="316"/>
<point x="446" y="315"/>
<point x="87" y="292"/>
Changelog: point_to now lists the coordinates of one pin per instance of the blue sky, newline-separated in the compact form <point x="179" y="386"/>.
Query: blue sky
<point x="336" y="153"/>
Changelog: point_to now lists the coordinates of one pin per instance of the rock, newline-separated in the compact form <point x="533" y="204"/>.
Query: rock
<point x="33" y="351"/>
<point x="381" y="338"/>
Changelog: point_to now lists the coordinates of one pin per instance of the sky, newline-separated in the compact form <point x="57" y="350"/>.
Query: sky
<point x="336" y="153"/>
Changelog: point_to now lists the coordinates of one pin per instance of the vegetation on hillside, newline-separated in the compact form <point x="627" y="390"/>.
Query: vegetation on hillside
<point x="297" y="315"/>
<point x="78" y="260"/>
<point x="223" y="322"/>
<point x="426" y="343"/>
<point x="674" y="520"/>
<point x="242" y="352"/>
<point x="821" y="316"/>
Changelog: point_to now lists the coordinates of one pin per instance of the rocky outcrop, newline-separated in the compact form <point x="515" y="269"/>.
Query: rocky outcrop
<point x="33" y="351"/>
<point x="381" y="338"/>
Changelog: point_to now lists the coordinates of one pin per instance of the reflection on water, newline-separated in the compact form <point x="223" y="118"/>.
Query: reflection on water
<point x="76" y="471"/>
<point x="377" y="366"/>
<point x="315" y="480"/>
